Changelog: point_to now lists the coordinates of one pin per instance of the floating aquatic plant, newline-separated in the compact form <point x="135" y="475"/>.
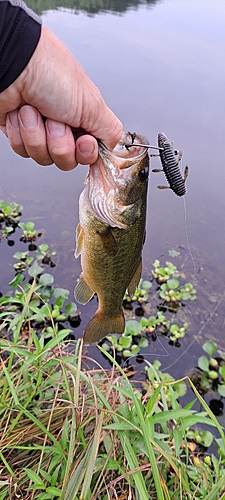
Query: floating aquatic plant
<point x="212" y="368"/>
<point x="9" y="218"/>
<point x="76" y="433"/>
<point x="29" y="233"/>
<point x="10" y="213"/>
<point x="162" y="274"/>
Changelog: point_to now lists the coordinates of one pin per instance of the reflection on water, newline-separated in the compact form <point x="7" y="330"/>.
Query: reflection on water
<point x="160" y="70"/>
<point x="91" y="7"/>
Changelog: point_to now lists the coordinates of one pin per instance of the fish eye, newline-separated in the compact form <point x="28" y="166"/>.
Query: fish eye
<point x="143" y="174"/>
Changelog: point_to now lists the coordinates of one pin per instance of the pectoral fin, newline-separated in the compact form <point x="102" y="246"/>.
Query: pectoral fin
<point x="79" y="240"/>
<point x="108" y="241"/>
<point x="131" y="213"/>
<point x="135" y="279"/>
<point x="83" y="292"/>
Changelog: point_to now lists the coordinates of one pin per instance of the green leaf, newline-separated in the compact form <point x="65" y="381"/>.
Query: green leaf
<point x="133" y="327"/>
<point x="174" y="328"/>
<point x="146" y="285"/>
<point x="71" y="309"/>
<point x="34" y="477"/>
<point x="178" y="438"/>
<point x="127" y="353"/>
<point x="53" y="491"/>
<point x="43" y="247"/>
<point x="222" y="371"/>
<point x="152" y="401"/>
<point x="92" y="455"/>
<point x="19" y="278"/>
<point x="221" y="390"/>
<point x="207" y="438"/>
<point x="46" y="279"/>
<point x="43" y="496"/>
<point x="196" y="419"/>
<point x="167" y="415"/>
<point x="61" y="317"/>
<point x="210" y="347"/>
<point x="76" y="479"/>
<point x="203" y="363"/>
<point x="61" y="292"/>
<point x="143" y="342"/>
<point x="46" y="292"/>
<point x="30" y="226"/>
<point x="112" y="338"/>
<point x="20" y="255"/>
<point x="173" y="283"/>
<point x="56" y="340"/>
<point x="135" y="349"/>
<point x="123" y="426"/>
<point x="144" y="322"/>
<point x="133" y="464"/>
<point x="181" y="388"/>
<point x="46" y="310"/>
<point x="125" y="341"/>
<point x="35" y="270"/>
<point x="106" y="346"/>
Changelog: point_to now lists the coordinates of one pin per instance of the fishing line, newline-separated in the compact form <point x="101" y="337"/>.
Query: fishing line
<point x="187" y="236"/>
<point x="186" y="224"/>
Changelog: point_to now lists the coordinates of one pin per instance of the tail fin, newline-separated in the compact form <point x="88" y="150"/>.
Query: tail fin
<point x="101" y="325"/>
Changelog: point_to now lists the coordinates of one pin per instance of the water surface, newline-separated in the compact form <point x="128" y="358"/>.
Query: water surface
<point x="160" y="67"/>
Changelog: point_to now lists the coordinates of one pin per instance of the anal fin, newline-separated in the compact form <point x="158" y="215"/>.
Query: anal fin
<point x="83" y="292"/>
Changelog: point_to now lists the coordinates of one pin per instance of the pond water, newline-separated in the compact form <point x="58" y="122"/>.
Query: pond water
<point x="160" y="67"/>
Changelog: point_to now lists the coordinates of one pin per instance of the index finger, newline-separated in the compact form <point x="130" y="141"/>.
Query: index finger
<point x="100" y="121"/>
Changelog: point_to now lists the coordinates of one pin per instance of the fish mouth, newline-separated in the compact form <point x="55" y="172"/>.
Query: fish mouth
<point x="110" y="175"/>
<point x="128" y="147"/>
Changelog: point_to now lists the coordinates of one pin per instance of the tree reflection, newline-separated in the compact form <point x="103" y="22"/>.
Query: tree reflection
<point x="89" y="6"/>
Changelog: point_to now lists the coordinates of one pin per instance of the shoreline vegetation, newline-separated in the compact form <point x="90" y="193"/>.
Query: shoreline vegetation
<point x="74" y="433"/>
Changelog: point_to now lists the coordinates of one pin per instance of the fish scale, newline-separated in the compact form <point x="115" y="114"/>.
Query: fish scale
<point x="110" y="234"/>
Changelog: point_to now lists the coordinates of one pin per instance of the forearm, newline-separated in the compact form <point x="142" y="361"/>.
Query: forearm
<point x="40" y="77"/>
<point x="20" y="30"/>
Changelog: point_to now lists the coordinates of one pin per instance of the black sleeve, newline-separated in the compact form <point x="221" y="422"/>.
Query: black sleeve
<point x="20" y="30"/>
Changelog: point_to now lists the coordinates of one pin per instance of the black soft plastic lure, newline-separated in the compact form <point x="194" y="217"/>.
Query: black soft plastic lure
<point x="170" y="165"/>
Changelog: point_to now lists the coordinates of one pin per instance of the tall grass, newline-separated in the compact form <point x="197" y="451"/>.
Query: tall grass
<point x="75" y="434"/>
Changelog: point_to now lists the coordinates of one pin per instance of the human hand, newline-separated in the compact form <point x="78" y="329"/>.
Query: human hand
<point x="53" y="85"/>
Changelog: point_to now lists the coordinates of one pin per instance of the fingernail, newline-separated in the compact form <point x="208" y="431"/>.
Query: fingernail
<point x="86" y="148"/>
<point x="29" y="117"/>
<point x="56" y="129"/>
<point x="13" y="118"/>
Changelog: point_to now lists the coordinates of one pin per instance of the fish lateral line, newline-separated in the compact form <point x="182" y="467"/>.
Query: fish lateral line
<point x="111" y="253"/>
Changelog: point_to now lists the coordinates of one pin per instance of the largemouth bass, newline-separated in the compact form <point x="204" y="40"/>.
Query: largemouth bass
<point x="111" y="232"/>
